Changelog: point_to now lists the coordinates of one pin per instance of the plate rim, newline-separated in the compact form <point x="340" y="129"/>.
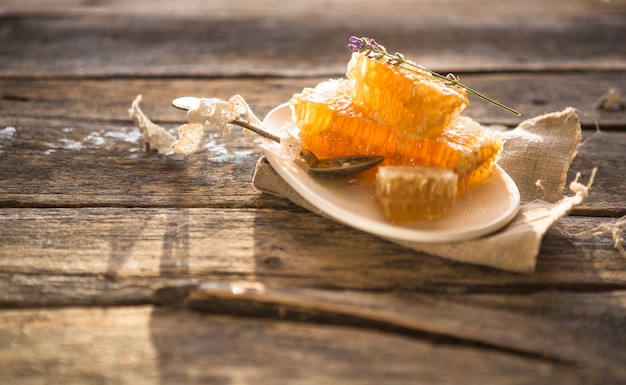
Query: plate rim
<point x="386" y="229"/>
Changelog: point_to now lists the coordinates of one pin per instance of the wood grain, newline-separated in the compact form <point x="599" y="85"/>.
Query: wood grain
<point x="418" y="10"/>
<point x="557" y="333"/>
<point x="108" y="100"/>
<point x="156" y="346"/>
<point x="292" y="247"/>
<point x="121" y="266"/>
<point x="110" y="167"/>
<point x="219" y="45"/>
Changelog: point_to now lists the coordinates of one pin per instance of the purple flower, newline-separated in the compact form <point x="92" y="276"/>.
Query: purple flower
<point x="360" y="44"/>
<point x="356" y="44"/>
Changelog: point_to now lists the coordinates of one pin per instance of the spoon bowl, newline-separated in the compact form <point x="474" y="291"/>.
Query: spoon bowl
<point x="326" y="167"/>
<point x="339" y="166"/>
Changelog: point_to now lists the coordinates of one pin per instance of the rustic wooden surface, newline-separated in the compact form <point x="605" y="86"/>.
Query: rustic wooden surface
<point x="120" y="266"/>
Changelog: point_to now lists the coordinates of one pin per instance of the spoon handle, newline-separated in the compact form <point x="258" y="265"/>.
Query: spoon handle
<point x="190" y="102"/>
<point x="255" y="129"/>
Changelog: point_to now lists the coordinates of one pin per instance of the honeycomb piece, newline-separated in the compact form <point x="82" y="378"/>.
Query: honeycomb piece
<point x="332" y="125"/>
<point x="408" y="194"/>
<point x="412" y="104"/>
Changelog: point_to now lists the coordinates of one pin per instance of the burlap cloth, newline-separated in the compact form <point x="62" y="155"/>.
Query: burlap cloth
<point x="537" y="155"/>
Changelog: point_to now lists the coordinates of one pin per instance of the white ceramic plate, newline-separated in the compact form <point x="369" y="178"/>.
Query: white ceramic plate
<point x="478" y="212"/>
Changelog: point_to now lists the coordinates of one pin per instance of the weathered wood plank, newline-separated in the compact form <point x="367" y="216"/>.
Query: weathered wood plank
<point x="146" y="345"/>
<point x="605" y="198"/>
<point x="551" y="324"/>
<point x="93" y="178"/>
<point x="558" y="325"/>
<point x="290" y="247"/>
<point x="109" y="99"/>
<point x="77" y="164"/>
<point x="300" y="43"/>
<point x="417" y="10"/>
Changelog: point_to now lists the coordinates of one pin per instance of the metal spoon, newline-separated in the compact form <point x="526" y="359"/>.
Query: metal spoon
<point x="328" y="167"/>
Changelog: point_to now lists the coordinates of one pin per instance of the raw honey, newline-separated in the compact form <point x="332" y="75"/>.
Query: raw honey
<point x="332" y="125"/>
<point x="412" y="104"/>
<point x="407" y="194"/>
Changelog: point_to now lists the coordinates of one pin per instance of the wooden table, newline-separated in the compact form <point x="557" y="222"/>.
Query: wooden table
<point x="120" y="266"/>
